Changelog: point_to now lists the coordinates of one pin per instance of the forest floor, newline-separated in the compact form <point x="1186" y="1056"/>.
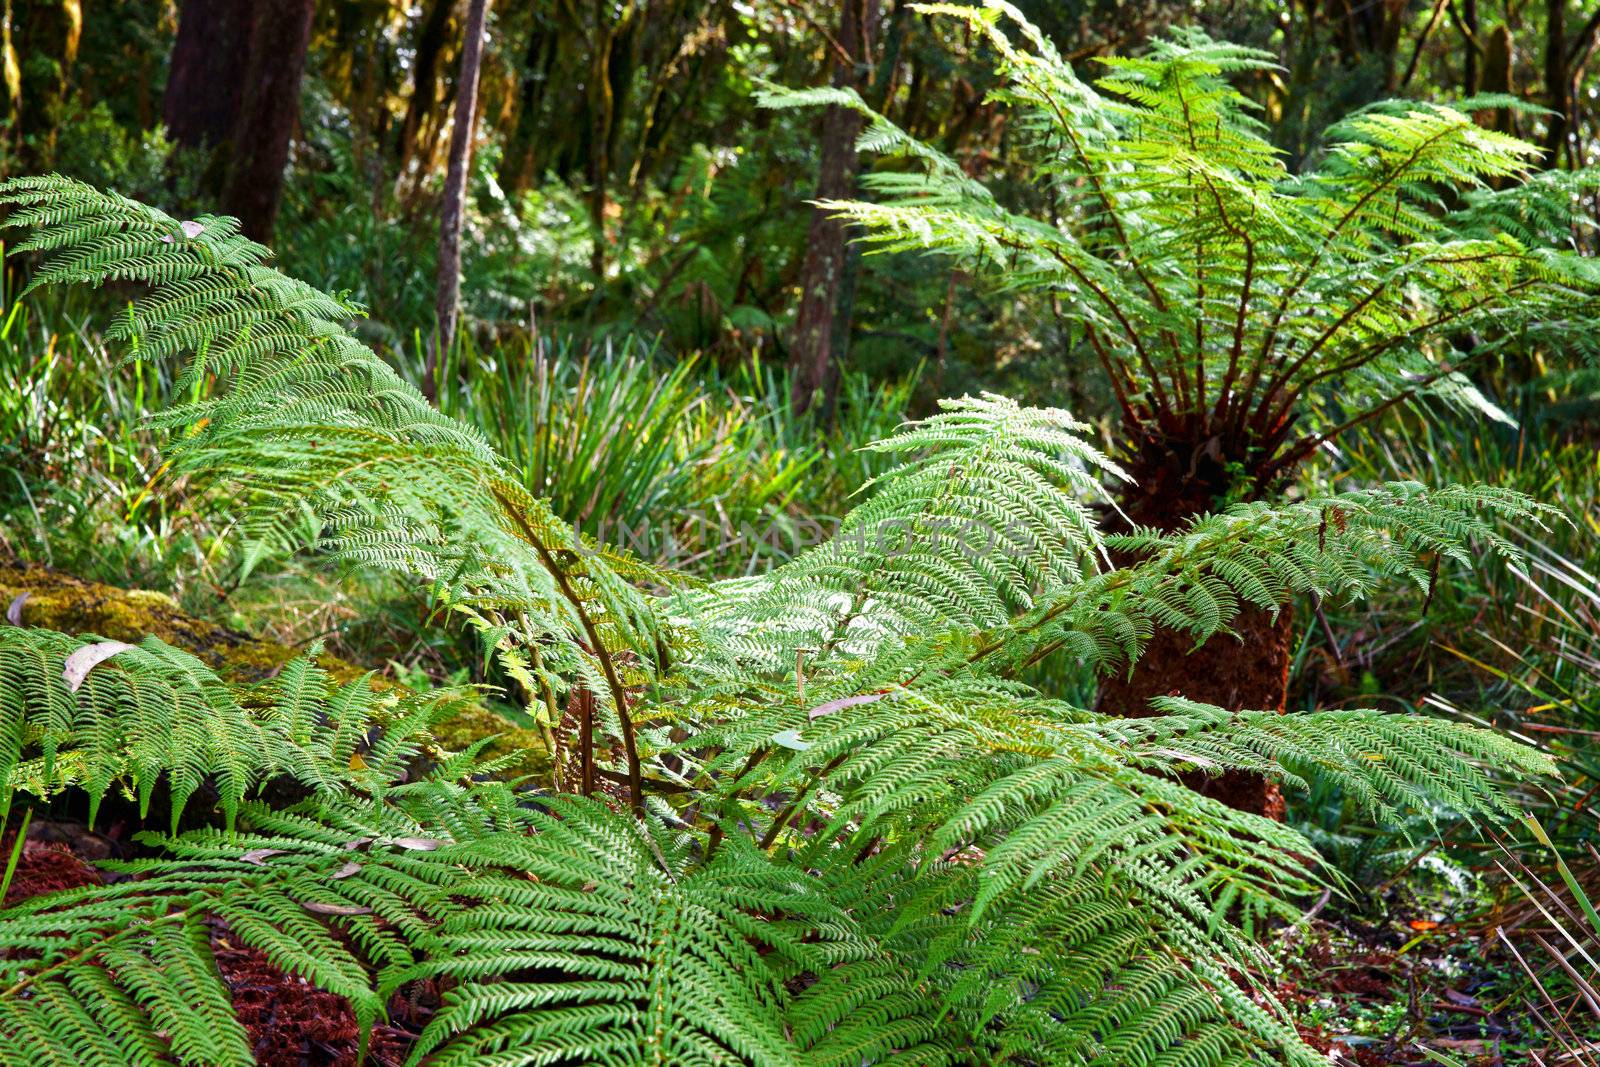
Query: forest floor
<point x="1407" y="989"/>
<point x="1414" y="973"/>
<point x="1399" y="991"/>
<point x="289" y="1023"/>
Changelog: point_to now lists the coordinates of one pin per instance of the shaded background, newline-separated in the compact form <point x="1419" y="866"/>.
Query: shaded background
<point x="624" y="182"/>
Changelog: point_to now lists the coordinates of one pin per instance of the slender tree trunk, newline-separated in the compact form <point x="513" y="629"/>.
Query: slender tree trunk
<point x="813" y="346"/>
<point x="611" y="67"/>
<point x="605" y="109"/>
<point x="455" y="182"/>
<point x="1557" y="82"/>
<point x="424" y="76"/>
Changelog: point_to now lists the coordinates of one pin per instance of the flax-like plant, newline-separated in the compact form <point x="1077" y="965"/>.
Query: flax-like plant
<point x="809" y="818"/>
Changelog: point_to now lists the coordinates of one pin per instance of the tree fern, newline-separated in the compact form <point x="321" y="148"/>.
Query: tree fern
<point x="851" y="831"/>
<point x="1242" y="315"/>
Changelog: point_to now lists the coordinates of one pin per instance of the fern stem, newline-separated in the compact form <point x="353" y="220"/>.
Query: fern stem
<point x="548" y="696"/>
<point x="1293" y="291"/>
<point x="771" y="836"/>
<point x="585" y="741"/>
<point x="619" y="694"/>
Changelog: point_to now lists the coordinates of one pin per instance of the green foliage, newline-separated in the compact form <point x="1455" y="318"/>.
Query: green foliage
<point x="1239" y="311"/>
<point x="151" y="712"/>
<point x="678" y="461"/>
<point x="845" y="833"/>
<point x="324" y="891"/>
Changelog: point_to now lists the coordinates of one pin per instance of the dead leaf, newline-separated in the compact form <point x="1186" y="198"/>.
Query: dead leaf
<point x="347" y="870"/>
<point x="14" y="612"/>
<point x="844" y="702"/>
<point x="85" y="659"/>
<point x="415" y="844"/>
<point x="258" y="855"/>
<point x="318" y="908"/>
<point x="351" y="846"/>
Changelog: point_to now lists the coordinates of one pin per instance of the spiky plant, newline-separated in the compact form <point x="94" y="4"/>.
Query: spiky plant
<point x="1243" y="316"/>
<point x="811" y="817"/>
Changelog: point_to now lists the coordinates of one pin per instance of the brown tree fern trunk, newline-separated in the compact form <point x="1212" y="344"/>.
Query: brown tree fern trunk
<point x="1245" y="673"/>
<point x="1173" y="483"/>
<point x="204" y="87"/>
<point x="1557" y="83"/>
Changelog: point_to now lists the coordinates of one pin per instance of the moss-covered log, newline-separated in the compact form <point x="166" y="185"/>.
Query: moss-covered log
<point x="34" y="595"/>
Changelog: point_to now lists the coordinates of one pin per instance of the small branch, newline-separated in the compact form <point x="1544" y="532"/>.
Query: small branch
<point x="788" y="813"/>
<point x="1422" y="40"/>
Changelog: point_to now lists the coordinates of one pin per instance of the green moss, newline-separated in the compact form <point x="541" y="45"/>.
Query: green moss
<point x="473" y="722"/>
<point x="62" y="602"/>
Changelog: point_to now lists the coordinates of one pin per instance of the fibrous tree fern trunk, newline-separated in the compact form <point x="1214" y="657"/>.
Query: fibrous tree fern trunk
<point x="234" y="90"/>
<point x="1172" y="486"/>
<point x="1246" y="672"/>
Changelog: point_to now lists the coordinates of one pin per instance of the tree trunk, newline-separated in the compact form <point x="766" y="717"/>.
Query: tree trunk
<point x="1245" y="673"/>
<point x="455" y="182"/>
<point x="269" y="111"/>
<point x="520" y="162"/>
<point x="611" y="68"/>
<point x="44" y="36"/>
<point x="234" y="90"/>
<point x="424" y="76"/>
<point x="1498" y="77"/>
<point x="813" y="352"/>
<point x="1469" y="32"/>
<point x="604" y="112"/>
<point x="1248" y="672"/>
<point x="204" y="87"/>
<point x="1557" y="83"/>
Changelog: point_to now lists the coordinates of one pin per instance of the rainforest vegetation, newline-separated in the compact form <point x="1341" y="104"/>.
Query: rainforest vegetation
<point x="778" y="532"/>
